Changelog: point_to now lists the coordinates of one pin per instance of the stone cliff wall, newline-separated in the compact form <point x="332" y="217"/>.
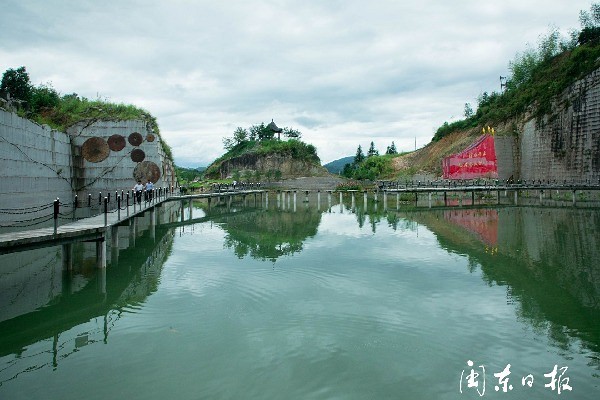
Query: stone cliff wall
<point x="39" y="164"/>
<point x="35" y="165"/>
<point x="110" y="156"/>
<point x="561" y="146"/>
<point x="288" y="166"/>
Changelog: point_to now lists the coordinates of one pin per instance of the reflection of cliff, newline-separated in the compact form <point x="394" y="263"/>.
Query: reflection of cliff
<point x="269" y="234"/>
<point x="128" y="282"/>
<point x="540" y="255"/>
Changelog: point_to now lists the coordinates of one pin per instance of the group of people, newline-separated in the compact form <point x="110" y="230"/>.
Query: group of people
<point x="147" y="190"/>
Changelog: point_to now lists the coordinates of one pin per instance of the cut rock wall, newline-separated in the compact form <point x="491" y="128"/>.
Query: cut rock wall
<point x="39" y="164"/>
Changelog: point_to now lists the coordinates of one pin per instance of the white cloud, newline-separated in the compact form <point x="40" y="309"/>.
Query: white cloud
<point x="343" y="72"/>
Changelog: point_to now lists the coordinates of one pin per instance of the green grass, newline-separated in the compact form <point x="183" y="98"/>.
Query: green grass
<point x="68" y="110"/>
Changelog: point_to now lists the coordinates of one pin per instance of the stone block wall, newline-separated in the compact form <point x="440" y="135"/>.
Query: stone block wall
<point x="39" y="164"/>
<point x="565" y="145"/>
<point x="506" y="154"/>
<point x="110" y="155"/>
<point x="35" y="168"/>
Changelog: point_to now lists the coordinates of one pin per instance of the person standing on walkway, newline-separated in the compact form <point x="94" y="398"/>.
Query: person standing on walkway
<point x="149" y="190"/>
<point x="138" y="188"/>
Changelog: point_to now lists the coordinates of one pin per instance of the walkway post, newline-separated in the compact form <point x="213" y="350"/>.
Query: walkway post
<point x="74" y="208"/>
<point x="56" y="210"/>
<point x="118" y="208"/>
<point x="105" y="211"/>
<point x="319" y="199"/>
<point x="384" y="200"/>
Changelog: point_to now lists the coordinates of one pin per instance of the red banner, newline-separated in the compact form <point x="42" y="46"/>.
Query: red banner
<point x="476" y="161"/>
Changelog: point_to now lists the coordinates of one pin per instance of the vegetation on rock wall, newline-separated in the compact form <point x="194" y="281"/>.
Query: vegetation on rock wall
<point x="44" y="105"/>
<point x="537" y="76"/>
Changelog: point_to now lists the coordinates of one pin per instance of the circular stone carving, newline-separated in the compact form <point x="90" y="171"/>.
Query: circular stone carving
<point x="116" y="142"/>
<point x="135" y="139"/>
<point x="138" y="155"/>
<point x="150" y="137"/>
<point x="95" y="149"/>
<point x="146" y="171"/>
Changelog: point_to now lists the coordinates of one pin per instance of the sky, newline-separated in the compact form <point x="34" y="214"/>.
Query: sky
<point x="344" y="73"/>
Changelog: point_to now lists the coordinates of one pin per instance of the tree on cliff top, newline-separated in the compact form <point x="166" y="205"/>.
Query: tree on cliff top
<point x="16" y="85"/>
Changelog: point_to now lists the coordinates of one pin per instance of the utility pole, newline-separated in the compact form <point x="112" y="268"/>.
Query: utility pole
<point x="502" y="82"/>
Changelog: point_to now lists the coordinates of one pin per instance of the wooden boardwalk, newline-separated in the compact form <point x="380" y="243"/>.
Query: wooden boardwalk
<point x="93" y="228"/>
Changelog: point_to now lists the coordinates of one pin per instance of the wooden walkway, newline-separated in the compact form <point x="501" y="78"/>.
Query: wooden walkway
<point x="92" y="229"/>
<point x="95" y="228"/>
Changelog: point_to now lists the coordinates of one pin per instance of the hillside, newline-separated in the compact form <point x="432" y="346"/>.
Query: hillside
<point x="271" y="158"/>
<point x="548" y="88"/>
<point x="336" y="166"/>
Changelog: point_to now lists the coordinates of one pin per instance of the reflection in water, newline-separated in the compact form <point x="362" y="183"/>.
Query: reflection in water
<point x="376" y="301"/>
<point x="85" y="307"/>
<point x="547" y="259"/>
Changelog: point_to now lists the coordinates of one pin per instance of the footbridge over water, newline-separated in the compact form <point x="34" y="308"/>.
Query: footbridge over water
<point x="98" y="227"/>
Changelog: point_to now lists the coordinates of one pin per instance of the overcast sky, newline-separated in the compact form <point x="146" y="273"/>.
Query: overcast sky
<point x="344" y="73"/>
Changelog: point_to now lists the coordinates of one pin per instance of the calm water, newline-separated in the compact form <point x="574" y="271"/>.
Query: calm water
<point x="311" y="302"/>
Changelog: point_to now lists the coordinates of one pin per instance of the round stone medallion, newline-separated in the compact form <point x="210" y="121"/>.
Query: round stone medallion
<point x="116" y="142"/>
<point x="95" y="149"/>
<point x="150" y="137"/>
<point x="138" y="155"/>
<point x="146" y="171"/>
<point x="135" y="139"/>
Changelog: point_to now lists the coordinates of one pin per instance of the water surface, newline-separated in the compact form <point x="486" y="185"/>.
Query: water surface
<point x="311" y="301"/>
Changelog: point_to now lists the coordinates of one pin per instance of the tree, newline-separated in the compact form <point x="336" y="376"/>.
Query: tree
<point x="372" y="151"/>
<point x="359" y="157"/>
<point x="348" y="170"/>
<point x="391" y="149"/>
<point x="15" y="82"/>
<point x="468" y="110"/>
<point x="292" y="133"/>
<point x="228" y="143"/>
<point x="43" y="97"/>
<point x="240" y="135"/>
<point x="590" y="19"/>
<point x="257" y="175"/>
<point x="278" y="175"/>
<point x="260" y="132"/>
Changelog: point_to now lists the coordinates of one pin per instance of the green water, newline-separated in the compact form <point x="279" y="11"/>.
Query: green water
<point x="310" y="302"/>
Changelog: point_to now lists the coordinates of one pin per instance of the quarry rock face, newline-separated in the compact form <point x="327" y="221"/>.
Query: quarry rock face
<point x="288" y="166"/>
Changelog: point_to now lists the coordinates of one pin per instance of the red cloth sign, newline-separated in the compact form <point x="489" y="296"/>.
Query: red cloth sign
<point x="476" y="161"/>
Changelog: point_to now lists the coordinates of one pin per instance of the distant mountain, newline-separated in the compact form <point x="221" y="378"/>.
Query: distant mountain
<point x="335" y="167"/>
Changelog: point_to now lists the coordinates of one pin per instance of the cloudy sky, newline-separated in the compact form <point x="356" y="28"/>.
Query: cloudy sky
<point x="344" y="73"/>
